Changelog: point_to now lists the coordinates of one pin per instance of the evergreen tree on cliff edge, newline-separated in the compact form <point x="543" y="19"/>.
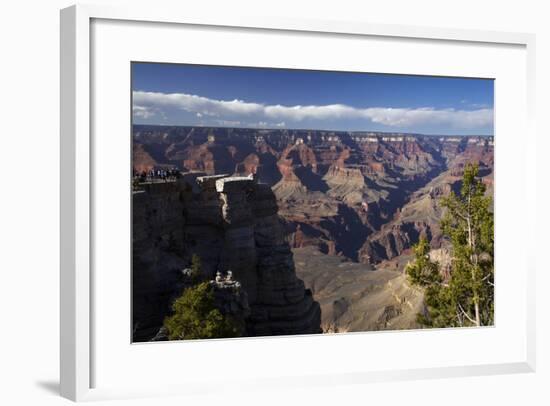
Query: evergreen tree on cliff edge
<point x="467" y="297"/>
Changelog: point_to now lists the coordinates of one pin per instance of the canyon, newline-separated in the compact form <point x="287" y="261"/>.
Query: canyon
<point x="317" y="225"/>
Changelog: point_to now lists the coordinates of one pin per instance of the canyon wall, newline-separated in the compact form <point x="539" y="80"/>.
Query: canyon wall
<point x="362" y="195"/>
<point x="231" y="223"/>
<point x="157" y="255"/>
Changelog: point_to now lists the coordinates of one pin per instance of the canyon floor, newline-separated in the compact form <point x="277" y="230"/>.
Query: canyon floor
<point x="356" y="297"/>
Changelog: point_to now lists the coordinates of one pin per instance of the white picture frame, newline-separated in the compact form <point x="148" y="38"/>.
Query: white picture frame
<point x="76" y="281"/>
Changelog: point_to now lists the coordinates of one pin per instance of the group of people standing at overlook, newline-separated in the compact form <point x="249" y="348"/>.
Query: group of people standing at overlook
<point x="156" y="175"/>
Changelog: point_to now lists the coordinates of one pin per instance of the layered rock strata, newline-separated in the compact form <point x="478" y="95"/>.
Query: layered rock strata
<point x="232" y="224"/>
<point x="158" y="239"/>
<point x="339" y="191"/>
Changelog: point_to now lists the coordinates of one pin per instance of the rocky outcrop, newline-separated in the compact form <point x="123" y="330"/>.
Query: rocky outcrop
<point x="392" y="242"/>
<point x="230" y="298"/>
<point x="232" y="224"/>
<point x="420" y="216"/>
<point x="345" y="184"/>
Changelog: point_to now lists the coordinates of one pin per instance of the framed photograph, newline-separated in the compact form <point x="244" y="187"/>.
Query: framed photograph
<point x="270" y="202"/>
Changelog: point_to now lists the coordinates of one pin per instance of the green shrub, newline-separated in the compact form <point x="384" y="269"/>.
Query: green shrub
<point x="195" y="316"/>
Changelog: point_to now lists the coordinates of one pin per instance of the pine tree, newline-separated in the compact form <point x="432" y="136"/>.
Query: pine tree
<point x="195" y="316"/>
<point x="423" y="271"/>
<point x="467" y="298"/>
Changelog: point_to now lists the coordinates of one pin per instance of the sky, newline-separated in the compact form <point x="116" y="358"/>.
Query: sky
<point x="199" y="95"/>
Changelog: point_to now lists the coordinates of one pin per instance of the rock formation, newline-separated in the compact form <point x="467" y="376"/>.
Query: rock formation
<point x="230" y="298"/>
<point x="232" y="224"/>
<point x="422" y="213"/>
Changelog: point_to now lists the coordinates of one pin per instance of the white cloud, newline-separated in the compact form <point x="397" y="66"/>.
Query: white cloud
<point x="196" y="104"/>
<point x="422" y="116"/>
<point x="142" y="112"/>
<point x="277" y="115"/>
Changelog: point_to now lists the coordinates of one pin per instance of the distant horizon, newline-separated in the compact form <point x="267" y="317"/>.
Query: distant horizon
<point x="274" y="98"/>
<point x="316" y="129"/>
